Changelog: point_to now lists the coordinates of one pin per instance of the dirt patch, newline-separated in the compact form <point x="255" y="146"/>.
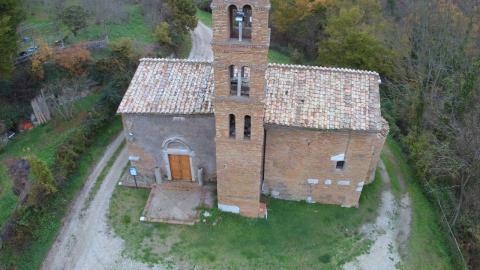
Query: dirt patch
<point x="389" y="233"/>
<point x="18" y="170"/>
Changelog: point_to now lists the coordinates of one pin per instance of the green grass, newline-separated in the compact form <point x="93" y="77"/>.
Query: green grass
<point x="277" y="57"/>
<point x="205" y="17"/>
<point x="42" y="141"/>
<point x="394" y="181"/>
<point x="49" y="224"/>
<point x="296" y="235"/>
<point x="428" y="246"/>
<point x="135" y="28"/>
<point x="103" y="174"/>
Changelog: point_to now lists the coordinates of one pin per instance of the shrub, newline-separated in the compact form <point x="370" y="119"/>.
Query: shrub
<point x="44" y="185"/>
<point x="74" y="60"/>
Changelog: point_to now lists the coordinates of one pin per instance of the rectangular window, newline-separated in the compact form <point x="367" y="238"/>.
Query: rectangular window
<point x="232" y="126"/>
<point x="340" y="165"/>
<point x="247" y="133"/>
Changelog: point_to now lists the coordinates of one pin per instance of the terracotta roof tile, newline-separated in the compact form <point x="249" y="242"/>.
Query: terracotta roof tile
<point x="301" y="96"/>
<point x="170" y="86"/>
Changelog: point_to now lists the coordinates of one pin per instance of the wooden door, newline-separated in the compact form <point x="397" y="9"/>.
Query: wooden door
<point x="180" y="167"/>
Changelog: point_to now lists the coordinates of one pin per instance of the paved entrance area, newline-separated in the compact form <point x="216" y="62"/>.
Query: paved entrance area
<point x="177" y="202"/>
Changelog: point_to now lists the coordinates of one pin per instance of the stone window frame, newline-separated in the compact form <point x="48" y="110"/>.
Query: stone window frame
<point x="340" y="158"/>
<point x="239" y="77"/>
<point x="247" y="26"/>
<point x="186" y="151"/>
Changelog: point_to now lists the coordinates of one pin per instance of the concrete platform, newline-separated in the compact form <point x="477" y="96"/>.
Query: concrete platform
<point x="177" y="202"/>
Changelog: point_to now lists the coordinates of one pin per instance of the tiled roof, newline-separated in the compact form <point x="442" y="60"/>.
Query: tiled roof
<point x="299" y="96"/>
<point x="170" y="86"/>
<point x="322" y="98"/>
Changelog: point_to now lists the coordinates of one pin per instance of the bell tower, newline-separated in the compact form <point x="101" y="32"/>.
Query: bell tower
<point x="241" y="39"/>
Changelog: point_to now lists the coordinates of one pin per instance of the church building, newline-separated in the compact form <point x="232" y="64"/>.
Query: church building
<point x="303" y="133"/>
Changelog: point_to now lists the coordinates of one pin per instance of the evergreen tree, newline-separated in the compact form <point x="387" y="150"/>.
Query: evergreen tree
<point x="10" y="17"/>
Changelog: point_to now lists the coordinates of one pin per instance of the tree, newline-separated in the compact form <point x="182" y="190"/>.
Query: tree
<point x="351" y="40"/>
<point x="44" y="184"/>
<point x="10" y="17"/>
<point x="162" y="34"/>
<point x="75" y="18"/>
<point x="73" y="60"/>
<point x="183" y="16"/>
<point x="299" y="24"/>
<point x="43" y="54"/>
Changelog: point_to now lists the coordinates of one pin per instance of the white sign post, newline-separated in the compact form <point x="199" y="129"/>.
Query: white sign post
<point x="133" y="172"/>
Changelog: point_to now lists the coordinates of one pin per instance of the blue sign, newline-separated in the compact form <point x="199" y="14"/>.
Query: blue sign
<point x="133" y="171"/>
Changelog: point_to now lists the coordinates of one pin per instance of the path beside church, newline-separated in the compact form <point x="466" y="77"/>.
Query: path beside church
<point x="85" y="240"/>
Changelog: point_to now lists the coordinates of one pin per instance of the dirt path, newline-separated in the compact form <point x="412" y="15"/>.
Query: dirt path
<point x="389" y="233"/>
<point x="201" y="47"/>
<point x="86" y="241"/>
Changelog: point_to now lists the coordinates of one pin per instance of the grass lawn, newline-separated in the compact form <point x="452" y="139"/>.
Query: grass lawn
<point x="296" y="235"/>
<point x="48" y="226"/>
<point x="205" y="17"/>
<point x="134" y="28"/>
<point x="277" y="57"/>
<point x="429" y="246"/>
<point x="42" y="141"/>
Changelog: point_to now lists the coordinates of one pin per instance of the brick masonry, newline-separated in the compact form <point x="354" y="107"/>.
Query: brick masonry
<point x="239" y="160"/>
<point x="295" y="156"/>
<point x="299" y="163"/>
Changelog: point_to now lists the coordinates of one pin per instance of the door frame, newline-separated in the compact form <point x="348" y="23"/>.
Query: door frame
<point x="186" y="151"/>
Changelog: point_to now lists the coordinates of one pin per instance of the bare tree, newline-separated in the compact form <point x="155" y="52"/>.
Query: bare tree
<point x="62" y="94"/>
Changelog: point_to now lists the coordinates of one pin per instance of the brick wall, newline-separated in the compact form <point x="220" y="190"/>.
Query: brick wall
<point x="239" y="160"/>
<point x="293" y="156"/>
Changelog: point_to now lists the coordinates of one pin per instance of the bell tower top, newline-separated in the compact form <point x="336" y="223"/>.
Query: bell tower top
<point x="241" y="21"/>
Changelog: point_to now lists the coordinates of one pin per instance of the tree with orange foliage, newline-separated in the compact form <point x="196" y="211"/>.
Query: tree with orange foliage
<point x="43" y="54"/>
<point x="73" y="60"/>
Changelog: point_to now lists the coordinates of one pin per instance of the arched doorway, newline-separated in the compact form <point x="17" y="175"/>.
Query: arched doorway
<point x="178" y="160"/>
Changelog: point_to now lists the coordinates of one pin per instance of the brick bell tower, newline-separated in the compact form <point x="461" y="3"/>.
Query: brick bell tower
<point x="241" y="39"/>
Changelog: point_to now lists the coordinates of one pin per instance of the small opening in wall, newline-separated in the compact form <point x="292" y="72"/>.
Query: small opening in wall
<point x="247" y="133"/>
<point x="340" y="165"/>
<point x="232" y="126"/>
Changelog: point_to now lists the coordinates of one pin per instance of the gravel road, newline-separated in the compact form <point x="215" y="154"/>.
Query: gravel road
<point x="85" y="240"/>
<point x="201" y="43"/>
<point x="389" y="233"/>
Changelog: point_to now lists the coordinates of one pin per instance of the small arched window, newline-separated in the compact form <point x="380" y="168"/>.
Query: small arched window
<point x="233" y="80"/>
<point x="247" y="128"/>
<point x="240" y="22"/>
<point x="232" y="11"/>
<point x="245" y="91"/>
<point x="247" y="32"/>
<point x="231" y="123"/>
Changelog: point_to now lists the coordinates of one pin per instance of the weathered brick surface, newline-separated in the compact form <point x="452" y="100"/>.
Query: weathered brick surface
<point x="239" y="160"/>
<point x="294" y="155"/>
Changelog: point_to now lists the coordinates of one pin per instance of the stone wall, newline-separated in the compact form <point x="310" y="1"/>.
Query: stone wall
<point x="301" y="164"/>
<point x="147" y="134"/>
